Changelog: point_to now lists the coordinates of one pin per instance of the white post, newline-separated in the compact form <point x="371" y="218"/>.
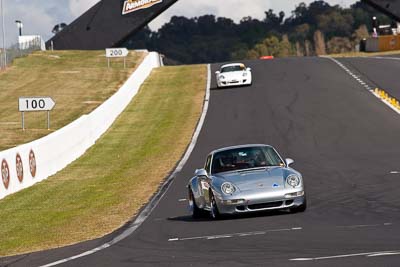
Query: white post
<point x="48" y="120"/>
<point x="23" y="121"/>
<point x="4" y="34"/>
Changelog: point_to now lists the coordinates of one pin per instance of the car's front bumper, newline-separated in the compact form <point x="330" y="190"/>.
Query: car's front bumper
<point x="239" y="82"/>
<point x="254" y="202"/>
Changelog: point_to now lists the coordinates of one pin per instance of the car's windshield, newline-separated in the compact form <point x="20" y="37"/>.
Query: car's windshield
<point x="233" y="68"/>
<point x="245" y="158"/>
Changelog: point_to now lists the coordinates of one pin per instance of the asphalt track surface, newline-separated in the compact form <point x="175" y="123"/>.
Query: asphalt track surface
<point x="344" y="141"/>
<point x="379" y="72"/>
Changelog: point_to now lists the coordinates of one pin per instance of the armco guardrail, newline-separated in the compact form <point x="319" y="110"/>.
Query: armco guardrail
<point x="30" y="163"/>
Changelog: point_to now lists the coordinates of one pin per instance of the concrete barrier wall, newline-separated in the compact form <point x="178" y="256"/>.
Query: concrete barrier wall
<point x="383" y="43"/>
<point x="30" y="163"/>
<point x="372" y="45"/>
<point x="389" y="42"/>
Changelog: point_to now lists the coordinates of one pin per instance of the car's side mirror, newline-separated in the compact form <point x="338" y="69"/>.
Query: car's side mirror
<point x="248" y="69"/>
<point x="217" y="72"/>
<point x="200" y="173"/>
<point x="289" y="161"/>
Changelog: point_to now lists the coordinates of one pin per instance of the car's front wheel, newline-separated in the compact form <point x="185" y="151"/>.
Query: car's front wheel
<point x="196" y="211"/>
<point x="214" y="212"/>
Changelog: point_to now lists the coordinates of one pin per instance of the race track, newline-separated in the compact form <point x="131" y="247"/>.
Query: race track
<point x="344" y="141"/>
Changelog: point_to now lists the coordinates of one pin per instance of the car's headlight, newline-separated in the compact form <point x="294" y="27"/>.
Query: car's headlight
<point x="293" y="180"/>
<point x="245" y="74"/>
<point x="222" y="77"/>
<point x="227" y="188"/>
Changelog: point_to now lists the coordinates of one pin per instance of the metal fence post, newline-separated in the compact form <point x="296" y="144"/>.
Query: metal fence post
<point x="4" y="35"/>
<point x="48" y="120"/>
<point x="23" y="121"/>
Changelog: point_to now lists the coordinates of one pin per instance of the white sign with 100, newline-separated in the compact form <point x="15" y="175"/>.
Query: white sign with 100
<point x="29" y="104"/>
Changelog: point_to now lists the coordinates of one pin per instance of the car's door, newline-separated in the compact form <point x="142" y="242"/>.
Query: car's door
<point x="204" y="183"/>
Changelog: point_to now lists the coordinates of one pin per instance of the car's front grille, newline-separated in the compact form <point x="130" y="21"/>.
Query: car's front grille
<point x="241" y="208"/>
<point x="265" y="205"/>
<point x="289" y="202"/>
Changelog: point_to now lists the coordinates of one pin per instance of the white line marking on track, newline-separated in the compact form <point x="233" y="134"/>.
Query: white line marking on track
<point x="182" y="200"/>
<point x="218" y="237"/>
<point x="360" y="226"/>
<point x="364" y="225"/>
<point x="385" y="254"/>
<point x="147" y="211"/>
<point x="395" y="172"/>
<point x="387" y="103"/>
<point x="367" y="254"/>
<point x="212" y="237"/>
<point x="391" y="58"/>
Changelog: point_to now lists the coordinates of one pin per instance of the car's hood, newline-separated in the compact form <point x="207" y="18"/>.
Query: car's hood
<point x="233" y="74"/>
<point x="265" y="180"/>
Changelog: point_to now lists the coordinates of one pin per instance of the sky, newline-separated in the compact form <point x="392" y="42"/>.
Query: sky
<point x="40" y="16"/>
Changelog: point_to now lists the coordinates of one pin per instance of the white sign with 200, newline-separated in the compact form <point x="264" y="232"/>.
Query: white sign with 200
<point x="116" y="52"/>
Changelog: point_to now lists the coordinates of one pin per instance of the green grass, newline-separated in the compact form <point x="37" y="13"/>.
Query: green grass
<point x="78" y="81"/>
<point x="103" y="189"/>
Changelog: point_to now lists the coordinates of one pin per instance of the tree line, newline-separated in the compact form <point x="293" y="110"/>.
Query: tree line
<point x="314" y="29"/>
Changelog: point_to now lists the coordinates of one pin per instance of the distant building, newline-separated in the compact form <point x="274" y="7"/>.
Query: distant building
<point x="31" y="42"/>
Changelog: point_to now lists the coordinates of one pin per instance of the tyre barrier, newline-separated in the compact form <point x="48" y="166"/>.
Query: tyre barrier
<point x="30" y="163"/>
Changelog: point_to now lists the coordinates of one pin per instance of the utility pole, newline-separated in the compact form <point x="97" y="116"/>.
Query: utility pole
<point x="4" y="59"/>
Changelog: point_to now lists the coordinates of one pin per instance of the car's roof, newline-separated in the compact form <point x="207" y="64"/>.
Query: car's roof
<point x="232" y="64"/>
<point x="238" y="146"/>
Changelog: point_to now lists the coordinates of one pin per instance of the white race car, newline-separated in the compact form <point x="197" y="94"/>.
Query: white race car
<point x="235" y="74"/>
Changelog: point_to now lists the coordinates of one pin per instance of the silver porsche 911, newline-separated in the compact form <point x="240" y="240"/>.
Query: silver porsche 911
<point x="243" y="179"/>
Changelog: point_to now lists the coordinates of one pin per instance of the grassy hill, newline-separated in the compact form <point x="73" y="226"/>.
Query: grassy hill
<point x="104" y="188"/>
<point x="78" y="81"/>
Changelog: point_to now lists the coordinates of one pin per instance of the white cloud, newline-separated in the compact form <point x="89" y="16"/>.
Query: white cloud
<point x="36" y="21"/>
<point x="78" y="7"/>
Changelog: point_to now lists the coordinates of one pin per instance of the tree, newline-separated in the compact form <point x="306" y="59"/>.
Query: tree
<point x="286" y="47"/>
<point x="211" y="39"/>
<point x="319" y="43"/>
<point x="360" y="33"/>
<point x="299" y="50"/>
<point x="308" y="48"/>
<point x="272" y="46"/>
<point x="335" y="24"/>
<point x="339" y="45"/>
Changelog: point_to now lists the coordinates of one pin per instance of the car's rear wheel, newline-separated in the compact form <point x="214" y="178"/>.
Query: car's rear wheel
<point x="196" y="211"/>
<point x="214" y="212"/>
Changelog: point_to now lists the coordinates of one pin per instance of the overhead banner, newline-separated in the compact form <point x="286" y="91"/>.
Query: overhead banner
<point x="134" y="5"/>
<point x="389" y="7"/>
<point x="108" y="24"/>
